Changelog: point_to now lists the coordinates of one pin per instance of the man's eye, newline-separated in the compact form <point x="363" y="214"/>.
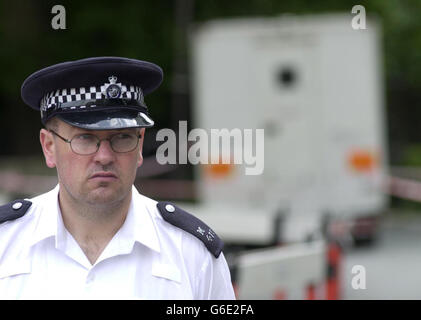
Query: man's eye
<point x="86" y="138"/>
<point x="124" y="136"/>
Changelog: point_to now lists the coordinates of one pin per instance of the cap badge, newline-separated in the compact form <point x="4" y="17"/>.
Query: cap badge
<point x="112" y="90"/>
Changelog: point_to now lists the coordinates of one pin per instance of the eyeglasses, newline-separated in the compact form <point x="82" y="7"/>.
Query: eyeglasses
<point x="86" y="144"/>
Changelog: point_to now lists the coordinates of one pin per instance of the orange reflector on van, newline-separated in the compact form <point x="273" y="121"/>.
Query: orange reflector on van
<point x="362" y="160"/>
<point x="219" y="170"/>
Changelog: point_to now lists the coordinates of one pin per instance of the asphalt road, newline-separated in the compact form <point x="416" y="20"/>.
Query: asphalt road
<point x="392" y="265"/>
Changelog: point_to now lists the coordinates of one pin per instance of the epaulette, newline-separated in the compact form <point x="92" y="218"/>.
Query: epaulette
<point x="14" y="210"/>
<point x="189" y="223"/>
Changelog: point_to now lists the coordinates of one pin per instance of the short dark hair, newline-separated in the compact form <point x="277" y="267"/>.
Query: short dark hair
<point x="52" y="124"/>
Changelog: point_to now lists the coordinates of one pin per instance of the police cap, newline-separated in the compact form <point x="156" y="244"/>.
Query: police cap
<point x="96" y="93"/>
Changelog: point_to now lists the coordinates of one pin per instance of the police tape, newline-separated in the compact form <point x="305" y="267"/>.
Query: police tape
<point x="403" y="188"/>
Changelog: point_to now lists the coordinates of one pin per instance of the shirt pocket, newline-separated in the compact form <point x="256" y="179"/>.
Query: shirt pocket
<point x="166" y="271"/>
<point x="14" y="269"/>
<point x="14" y="280"/>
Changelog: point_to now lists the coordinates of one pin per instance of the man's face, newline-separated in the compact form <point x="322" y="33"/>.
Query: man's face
<point x="102" y="178"/>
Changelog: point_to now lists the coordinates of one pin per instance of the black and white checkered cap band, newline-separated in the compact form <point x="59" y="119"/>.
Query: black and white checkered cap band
<point x="59" y="98"/>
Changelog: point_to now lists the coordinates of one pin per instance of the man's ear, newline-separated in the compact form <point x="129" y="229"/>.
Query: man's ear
<point x="48" y="147"/>
<point x="142" y="136"/>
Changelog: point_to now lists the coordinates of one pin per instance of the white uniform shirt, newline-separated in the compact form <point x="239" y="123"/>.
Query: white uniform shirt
<point x="147" y="258"/>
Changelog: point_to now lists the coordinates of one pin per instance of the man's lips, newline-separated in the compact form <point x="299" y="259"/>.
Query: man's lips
<point x="103" y="175"/>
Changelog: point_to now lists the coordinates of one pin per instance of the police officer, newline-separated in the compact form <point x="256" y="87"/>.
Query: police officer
<point x="94" y="235"/>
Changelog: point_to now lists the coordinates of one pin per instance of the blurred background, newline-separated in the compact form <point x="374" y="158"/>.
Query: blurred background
<point x="340" y="108"/>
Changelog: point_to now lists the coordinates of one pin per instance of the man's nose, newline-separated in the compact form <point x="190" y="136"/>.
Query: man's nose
<point x="105" y="153"/>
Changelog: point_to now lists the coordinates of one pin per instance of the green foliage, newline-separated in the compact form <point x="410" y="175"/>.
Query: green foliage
<point x="412" y="156"/>
<point x="404" y="205"/>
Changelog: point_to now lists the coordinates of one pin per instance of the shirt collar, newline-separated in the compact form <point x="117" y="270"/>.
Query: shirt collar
<point x="138" y="226"/>
<point x="47" y="222"/>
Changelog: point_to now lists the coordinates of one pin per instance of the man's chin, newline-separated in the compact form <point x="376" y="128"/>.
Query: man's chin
<point x="104" y="194"/>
